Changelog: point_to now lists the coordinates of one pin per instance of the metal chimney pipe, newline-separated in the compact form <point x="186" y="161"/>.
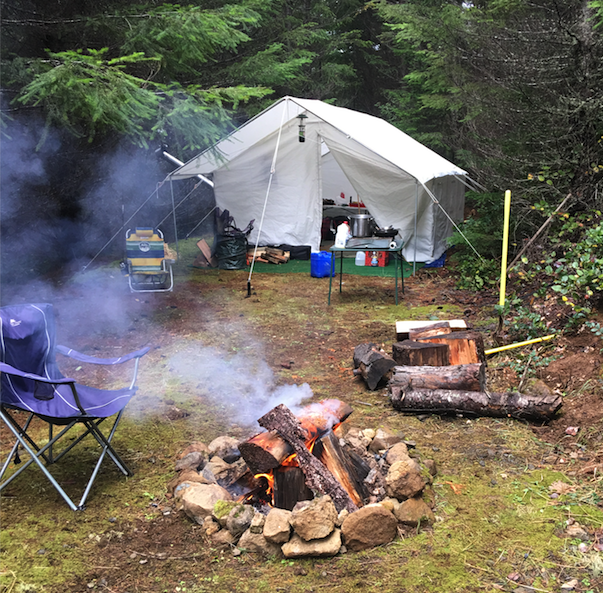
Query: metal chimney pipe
<point x="166" y="156"/>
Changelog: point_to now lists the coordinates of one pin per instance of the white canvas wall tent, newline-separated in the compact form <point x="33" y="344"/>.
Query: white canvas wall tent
<point x="263" y="168"/>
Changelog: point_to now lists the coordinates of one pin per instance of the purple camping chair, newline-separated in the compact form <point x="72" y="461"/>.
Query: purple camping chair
<point x="31" y="382"/>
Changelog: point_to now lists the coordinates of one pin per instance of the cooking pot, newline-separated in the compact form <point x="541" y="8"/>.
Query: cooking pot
<point x="362" y="225"/>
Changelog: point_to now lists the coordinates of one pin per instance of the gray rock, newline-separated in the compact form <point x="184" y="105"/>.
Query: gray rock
<point x="370" y="526"/>
<point x="277" y="527"/>
<point x="257" y="523"/>
<point x="404" y="479"/>
<point x="314" y="519"/>
<point x="227" y="448"/>
<point x="384" y="439"/>
<point x="396" y="453"/>
<point x="413" y="512"/>
<point x="256" y="542"/>
<point x="239" y="519"/>
<point x="198" y="500"/>
<point x="296" y="547"/>
<point x="193" y="461"/>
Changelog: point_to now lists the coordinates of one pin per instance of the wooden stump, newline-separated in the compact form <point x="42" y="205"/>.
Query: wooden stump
<point x="411" y="353"/>
<point x="464" y="347"/>
<point x="463" y="377"/>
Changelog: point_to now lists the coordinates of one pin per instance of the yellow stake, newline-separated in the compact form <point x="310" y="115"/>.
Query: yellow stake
<point x="518" y="344"/>
<point x="505" y="248"/>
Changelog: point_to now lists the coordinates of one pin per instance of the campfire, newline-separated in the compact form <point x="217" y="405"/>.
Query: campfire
<point x="319" y="480"/>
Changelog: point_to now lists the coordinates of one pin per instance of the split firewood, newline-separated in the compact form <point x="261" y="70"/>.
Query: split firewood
<point x="476" y="403"/>
<point x="318" y="477"/>
<point x="462" y="377"/>
<point x="373" y="364"/>
<point x="267" y="450"/>
<point x="411" y="353"/>
<point x="403" y="328"/>
<point x="465" y="347"/>
<point x="443" y="327"/>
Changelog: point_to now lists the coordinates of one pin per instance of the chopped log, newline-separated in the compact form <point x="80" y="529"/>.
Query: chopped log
<point x="373" y="364"/>
<point x="403" y="327"/>
<point x="443" y="327"/>
<point x="411" y="353"/>
<point x="267" y="450"/>
<point x="465" y="347"/>
<point x="318" y="477"/>
<point x="331" y="453"/>
<point x="476" y="403"/>
<point x="463" y="377"/>
<point x="290" y="487"/>
<point x="205" y="258"/>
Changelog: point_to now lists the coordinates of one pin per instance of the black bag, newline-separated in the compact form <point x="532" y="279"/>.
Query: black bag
<point x="231" y="252"/>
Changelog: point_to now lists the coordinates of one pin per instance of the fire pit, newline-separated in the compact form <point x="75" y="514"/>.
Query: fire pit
<point x="306" y="486"/>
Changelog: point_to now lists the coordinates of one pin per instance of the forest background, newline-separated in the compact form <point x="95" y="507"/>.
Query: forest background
<point x="510" y="90"/>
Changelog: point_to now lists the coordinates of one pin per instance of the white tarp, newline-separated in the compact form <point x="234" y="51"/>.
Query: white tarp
<point x="384" y="168"/>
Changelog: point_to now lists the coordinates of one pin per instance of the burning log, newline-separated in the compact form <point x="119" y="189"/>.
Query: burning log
<point x="498" y="405"/>
<point x="290" y="487"/>
<point x="463" y="377"/>
<point x="267" y="450"/>
<point x="331" y="453"/>
<point x="465" y="347"/>
<point x="373" y="364"/>
<point x="318" y="477"/>
<point x="411" y="353"/>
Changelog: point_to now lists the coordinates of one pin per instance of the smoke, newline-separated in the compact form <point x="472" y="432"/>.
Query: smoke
<point x="244" y="387"/>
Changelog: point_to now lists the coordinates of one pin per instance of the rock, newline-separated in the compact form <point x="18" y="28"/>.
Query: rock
<point x="369" y="433"/>
<point x="537" y="387"/>
<point x="343" y="513"/>
<point x="430" y="464"/>
<point x="384" y="439"/>
<point x="196" y="446"/>
<point x="223" y="538"/>
<point x="370" y="526"/>
<point x="257" y="543"/>
<point x="195" y="460"/>
<point x="226" y="448"/>
<point x="576" y="531"/>
<point x="222" y="509"/>
<point x="277" y="528"/>
<point x="396" y="452"/>
<point x="239" y="519"/>
<point x="404" y="479"/>
<point x="198" y="500"/>
<point x="391" y="504"/>
<point x="356" y="439"/>
<point x="257" y="523"/>
<point x="413" y="512"/>
<point x="224" y="473"/>
<point x="187" y="476"/>
<point x="296" y="547"/>
<point x="210" y="526"/>
<point x="314" y="519"/>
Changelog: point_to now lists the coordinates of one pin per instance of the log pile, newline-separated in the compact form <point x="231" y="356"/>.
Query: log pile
<point x="440" y="368"/>
<point x="269" y="255"/>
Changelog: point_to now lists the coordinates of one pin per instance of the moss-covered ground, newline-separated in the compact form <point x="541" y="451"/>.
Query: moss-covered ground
<point x="503" y="498"/>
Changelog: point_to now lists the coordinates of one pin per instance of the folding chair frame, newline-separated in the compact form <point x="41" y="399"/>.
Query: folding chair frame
<point x="46" y="453"/>
<point x="44" y="456"/>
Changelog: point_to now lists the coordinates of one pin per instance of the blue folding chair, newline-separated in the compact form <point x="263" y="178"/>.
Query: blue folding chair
<point x="31" y="382"/>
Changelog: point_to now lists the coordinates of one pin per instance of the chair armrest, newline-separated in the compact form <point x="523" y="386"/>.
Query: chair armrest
<point x="9" y="370"/>
<point x="71" y="353"/>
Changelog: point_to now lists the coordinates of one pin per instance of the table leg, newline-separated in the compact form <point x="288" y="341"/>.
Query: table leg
<point x="331" y="270"/>
<point x="396" y="276"/>
<point x="340" y="270"/>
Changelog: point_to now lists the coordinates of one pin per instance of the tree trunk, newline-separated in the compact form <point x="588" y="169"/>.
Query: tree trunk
<point x="463" y="377"/>
<point x="498" y="405"/>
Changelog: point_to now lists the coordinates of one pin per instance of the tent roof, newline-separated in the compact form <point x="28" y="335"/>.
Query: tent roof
<point x="371" y="132"/>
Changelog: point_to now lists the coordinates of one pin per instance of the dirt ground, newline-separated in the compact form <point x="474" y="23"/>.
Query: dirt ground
<point x="286" y="322"/>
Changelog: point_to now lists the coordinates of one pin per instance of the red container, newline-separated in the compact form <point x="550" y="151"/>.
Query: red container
<point x="382" y="258"/>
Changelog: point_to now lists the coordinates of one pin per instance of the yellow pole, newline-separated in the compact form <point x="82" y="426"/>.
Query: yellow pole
<point x="518" y="344"/>
<point x="505" y="248"/>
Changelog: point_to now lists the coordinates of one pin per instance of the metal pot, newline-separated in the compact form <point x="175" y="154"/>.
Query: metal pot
<point x="362" y="225"/>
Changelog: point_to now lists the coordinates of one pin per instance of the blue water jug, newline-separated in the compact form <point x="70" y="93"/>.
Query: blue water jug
<point x="321" y="265"/>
